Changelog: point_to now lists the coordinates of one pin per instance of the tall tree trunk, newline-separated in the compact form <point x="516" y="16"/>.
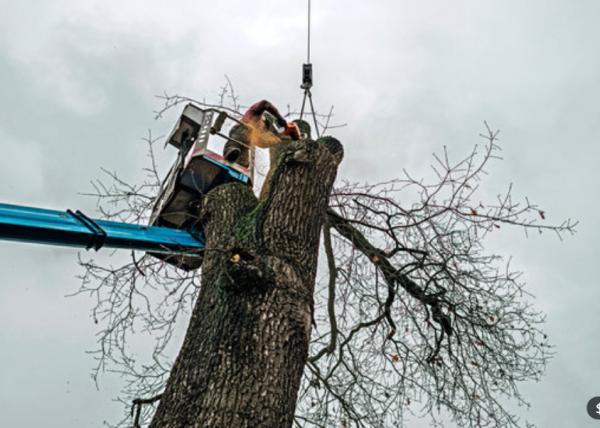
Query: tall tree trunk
<point x="247" y="342"/>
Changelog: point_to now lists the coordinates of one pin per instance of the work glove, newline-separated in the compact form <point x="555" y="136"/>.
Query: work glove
<point x="281" y="122"/>
<point x="292" y="130"/>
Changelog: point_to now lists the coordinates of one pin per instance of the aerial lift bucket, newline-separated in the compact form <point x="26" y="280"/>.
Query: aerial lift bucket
<point x="196" y="171"/>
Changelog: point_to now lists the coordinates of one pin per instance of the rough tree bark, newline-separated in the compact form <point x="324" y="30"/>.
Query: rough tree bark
<point x="247" y="342"/>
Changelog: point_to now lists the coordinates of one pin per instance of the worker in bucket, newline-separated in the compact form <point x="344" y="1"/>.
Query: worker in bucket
<point x="258" y="130"/>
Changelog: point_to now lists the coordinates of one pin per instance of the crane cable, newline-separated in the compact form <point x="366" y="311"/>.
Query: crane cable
<point x="308" y="39"/>
<point x="307" y="80"/>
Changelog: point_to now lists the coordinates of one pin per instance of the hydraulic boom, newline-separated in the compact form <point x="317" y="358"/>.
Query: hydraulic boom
<point x="37" y="225"/>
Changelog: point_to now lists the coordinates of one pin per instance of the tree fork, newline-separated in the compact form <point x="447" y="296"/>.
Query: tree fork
<point x="247" y="342"/>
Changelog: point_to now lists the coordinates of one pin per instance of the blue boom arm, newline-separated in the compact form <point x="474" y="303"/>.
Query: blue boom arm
<point x="75" y="229"/>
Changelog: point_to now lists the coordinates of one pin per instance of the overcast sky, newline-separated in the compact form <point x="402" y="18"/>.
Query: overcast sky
<point x="78" y="81"/>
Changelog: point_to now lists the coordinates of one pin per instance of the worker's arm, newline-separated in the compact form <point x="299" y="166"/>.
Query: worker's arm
<point x="266" y="140"/>
<point x="257" y="109"/>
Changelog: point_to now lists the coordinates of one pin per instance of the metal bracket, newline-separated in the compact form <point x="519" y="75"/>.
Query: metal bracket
<point x="99" y="234"/>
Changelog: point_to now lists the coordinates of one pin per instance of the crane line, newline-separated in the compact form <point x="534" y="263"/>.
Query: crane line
<point x="308" y="41"/>
<point x="307" y="81"/>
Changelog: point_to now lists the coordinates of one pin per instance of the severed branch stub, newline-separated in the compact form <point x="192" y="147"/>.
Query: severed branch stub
<point x="246" y="271"/>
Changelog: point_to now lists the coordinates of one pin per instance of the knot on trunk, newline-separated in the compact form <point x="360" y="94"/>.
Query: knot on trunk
<point x="246" y="272"/>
